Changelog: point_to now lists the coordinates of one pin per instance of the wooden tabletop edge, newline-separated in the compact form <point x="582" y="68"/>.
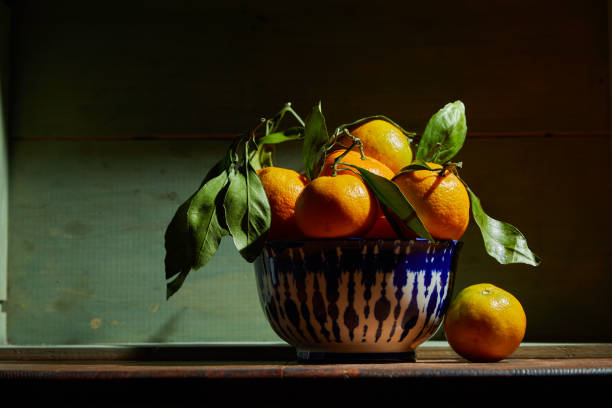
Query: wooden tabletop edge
<point x="273" y="351"/>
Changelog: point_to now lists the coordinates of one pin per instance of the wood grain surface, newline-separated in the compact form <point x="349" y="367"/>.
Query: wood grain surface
<point x="150" y="383"/>
<point x="441" y="368"/>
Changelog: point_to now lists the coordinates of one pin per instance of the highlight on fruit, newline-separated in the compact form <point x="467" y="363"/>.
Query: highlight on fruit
<point x="367" y="179"/>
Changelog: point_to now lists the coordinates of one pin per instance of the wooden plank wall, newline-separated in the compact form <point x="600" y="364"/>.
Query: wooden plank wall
<point x="111" y="68"/>
<point x="90" y="198"/>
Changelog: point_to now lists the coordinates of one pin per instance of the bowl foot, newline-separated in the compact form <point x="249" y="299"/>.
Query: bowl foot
<point x="316" y="357"/>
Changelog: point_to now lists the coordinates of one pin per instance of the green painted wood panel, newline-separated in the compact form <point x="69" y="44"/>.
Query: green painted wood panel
<point x="102" y="68"/>
<point x="87" y="223"/>
<point x="87" y="248"/>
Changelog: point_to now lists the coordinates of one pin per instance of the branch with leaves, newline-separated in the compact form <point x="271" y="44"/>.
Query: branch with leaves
<point x="231" y="200"/>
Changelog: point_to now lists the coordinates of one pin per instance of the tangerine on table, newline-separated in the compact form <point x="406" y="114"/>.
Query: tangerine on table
<point x="354" y="157"/>
<point x="485" y="323"/>
<point x="282" y="187"/>
<point x="440" y="201"/>
<point x="335" y="207"/>
<point x="382" y="141"/>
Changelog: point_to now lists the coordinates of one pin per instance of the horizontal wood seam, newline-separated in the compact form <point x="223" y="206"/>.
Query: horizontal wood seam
<point x="230" y="136"/>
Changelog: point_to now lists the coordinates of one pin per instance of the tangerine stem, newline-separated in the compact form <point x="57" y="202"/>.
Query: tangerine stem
<point x="273" y="124"/>
<point x="339" y="158"/>
<point x="357" y="141"/>
<point x="451" y="167"/>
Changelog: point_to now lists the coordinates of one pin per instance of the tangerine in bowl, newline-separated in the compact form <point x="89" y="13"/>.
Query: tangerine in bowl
<point x="356" y="299"/>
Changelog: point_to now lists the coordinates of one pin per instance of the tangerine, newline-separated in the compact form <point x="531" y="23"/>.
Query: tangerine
<point x="440" y="201"/>
<point x="335" y="207"/>
<point x="382" y="141"/>
<point x="485" y="323"/>
<point x="353" y="157"/>
<point x="381" y="229"/>
<point x="282" y="187"/>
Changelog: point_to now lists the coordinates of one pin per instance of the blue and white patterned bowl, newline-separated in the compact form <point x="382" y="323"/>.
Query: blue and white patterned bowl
<point x="356" y="299"/>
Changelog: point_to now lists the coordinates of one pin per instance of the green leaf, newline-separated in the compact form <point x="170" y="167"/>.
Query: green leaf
<point x="178" y="238"/>
<point x="259" y="216"/>
<point x="502" y="241"/>
<point x="247" y="212"/>
<point x="236" y="208"/>
<point x="263" y="156"/>
<point x="444" y="134"/>
<point x="316" y="139"/>
<point x="418" y="164"/>
<point x="287" y="135"/>
<point x="220" y="167"/>
<point x="390" y="196"/>
<point x="174" y="285"/>
<point x="393" y="221"/>
<point x="206" y="219"/>
<point x="194" y="234"/>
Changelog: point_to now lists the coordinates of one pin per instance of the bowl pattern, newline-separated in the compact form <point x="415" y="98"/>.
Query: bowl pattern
<point x="355" y="296"/>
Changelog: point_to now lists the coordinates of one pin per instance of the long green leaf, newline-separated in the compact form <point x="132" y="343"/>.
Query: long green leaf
<point x="178" y="239"/>
<point x="390" y="195"/>
<point x="206" y="219"/>
<point x="502" y="241"/>
<point x="236" y="208"/>
<point x="221" y="166"/>
<point x="175" y="284"/>
<point x="259" y="216"/>
<point x="194" y="234"/>
<point x="247" y="212"/>
<point x="444" y="134"/>
<point x="316" y="139"/>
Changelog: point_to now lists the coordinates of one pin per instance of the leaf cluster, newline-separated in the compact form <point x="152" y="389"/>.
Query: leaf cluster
<point x="442" y="139"/>
<point x="231" y="199"/>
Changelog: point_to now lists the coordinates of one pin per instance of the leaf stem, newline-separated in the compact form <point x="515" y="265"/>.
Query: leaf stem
<point x="294" y="113"/>
<point x="356" y="142"/>
<point x="262" y="121"/>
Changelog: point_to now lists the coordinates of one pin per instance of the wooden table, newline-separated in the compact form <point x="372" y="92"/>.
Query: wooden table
<point x="175" y="375"/>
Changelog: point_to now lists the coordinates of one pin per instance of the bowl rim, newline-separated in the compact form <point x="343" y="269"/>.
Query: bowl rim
<point x="358" y="239"/>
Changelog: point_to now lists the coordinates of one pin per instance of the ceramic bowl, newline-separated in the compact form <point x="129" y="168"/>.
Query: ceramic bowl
<point x="356" y="299"/>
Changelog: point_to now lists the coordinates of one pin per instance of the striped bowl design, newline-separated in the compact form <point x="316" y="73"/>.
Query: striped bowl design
<point x="356" y="299"/>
